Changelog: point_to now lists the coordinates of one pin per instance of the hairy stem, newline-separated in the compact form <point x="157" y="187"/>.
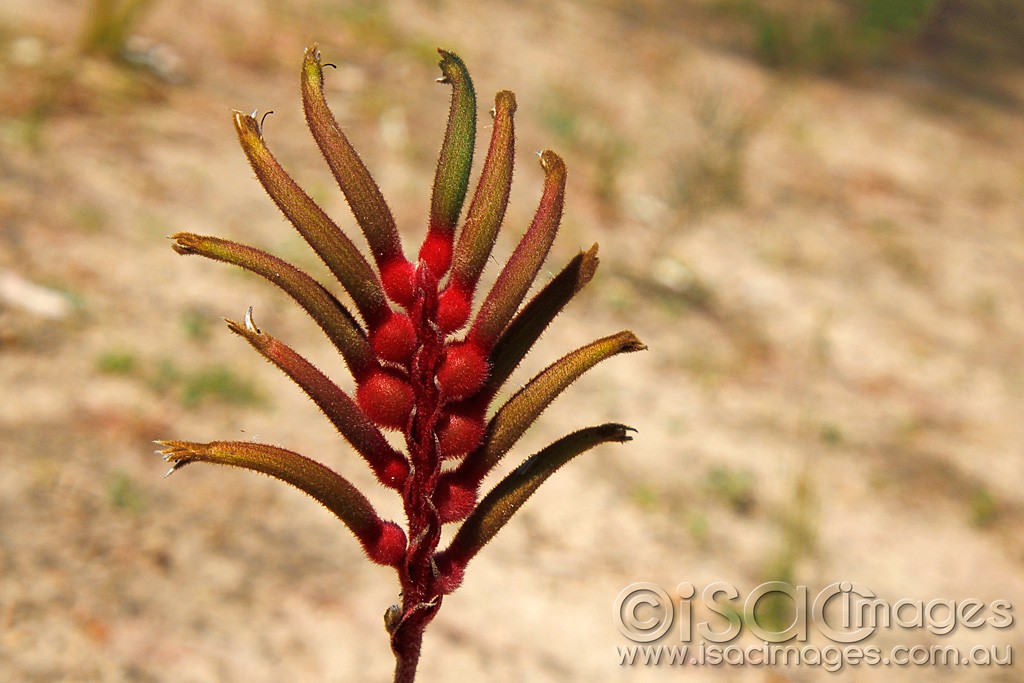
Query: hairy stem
<point x="420" y="596"/>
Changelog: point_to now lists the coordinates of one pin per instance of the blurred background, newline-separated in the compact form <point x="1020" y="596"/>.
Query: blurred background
<point x="812" y="212"/>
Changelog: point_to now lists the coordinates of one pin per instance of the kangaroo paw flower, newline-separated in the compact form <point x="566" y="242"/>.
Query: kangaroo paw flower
<point x="427" y="363"/>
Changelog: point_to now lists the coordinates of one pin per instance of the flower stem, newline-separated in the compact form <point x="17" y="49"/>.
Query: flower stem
<point x="407" y="653"/>
<point x="421" y="596"/>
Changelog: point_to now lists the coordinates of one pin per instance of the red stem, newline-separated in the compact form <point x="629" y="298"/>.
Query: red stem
<point x="421" y="596"/>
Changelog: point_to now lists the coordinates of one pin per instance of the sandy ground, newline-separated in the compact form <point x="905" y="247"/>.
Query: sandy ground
<point x="829" y="275"/>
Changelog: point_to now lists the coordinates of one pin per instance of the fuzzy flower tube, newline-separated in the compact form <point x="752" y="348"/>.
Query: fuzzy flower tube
<point x="424" y="364"/>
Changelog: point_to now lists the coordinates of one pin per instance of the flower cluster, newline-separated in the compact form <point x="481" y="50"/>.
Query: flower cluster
<point x="424" y="364"/>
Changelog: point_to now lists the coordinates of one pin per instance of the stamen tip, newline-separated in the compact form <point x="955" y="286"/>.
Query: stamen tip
<point x="249" y="324"/>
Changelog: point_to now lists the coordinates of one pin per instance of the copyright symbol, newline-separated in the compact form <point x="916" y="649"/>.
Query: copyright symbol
<point x="643" y="612"/>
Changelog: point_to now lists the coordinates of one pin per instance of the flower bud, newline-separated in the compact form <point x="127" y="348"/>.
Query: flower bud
<point x="389" y="548"/>
<point x="386" y="398"/>
<point x="436" y="252"/>
<point x="462" y="372"/>
<point x="452" y="309"/>
<point x="398" y="278"/>
<point x="459" y="434"/>
<point x="454" y="500"/>
<point x="395" y="340"/>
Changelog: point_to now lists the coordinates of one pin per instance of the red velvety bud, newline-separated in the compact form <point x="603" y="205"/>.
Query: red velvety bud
<point x="395" y="340"/>
<point x="398" y="278"/>
<point x="451" y="579"/>
<point x="389" y="548"/>
<point x="462" y="372"/>
<point x="386" y="398"/>
<point x="452" y="309"/>
<point x="454" y="501"/>
<point x="395" y="473"/>
<point x="458" y="435"/>
<point x="436" y="252"/>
